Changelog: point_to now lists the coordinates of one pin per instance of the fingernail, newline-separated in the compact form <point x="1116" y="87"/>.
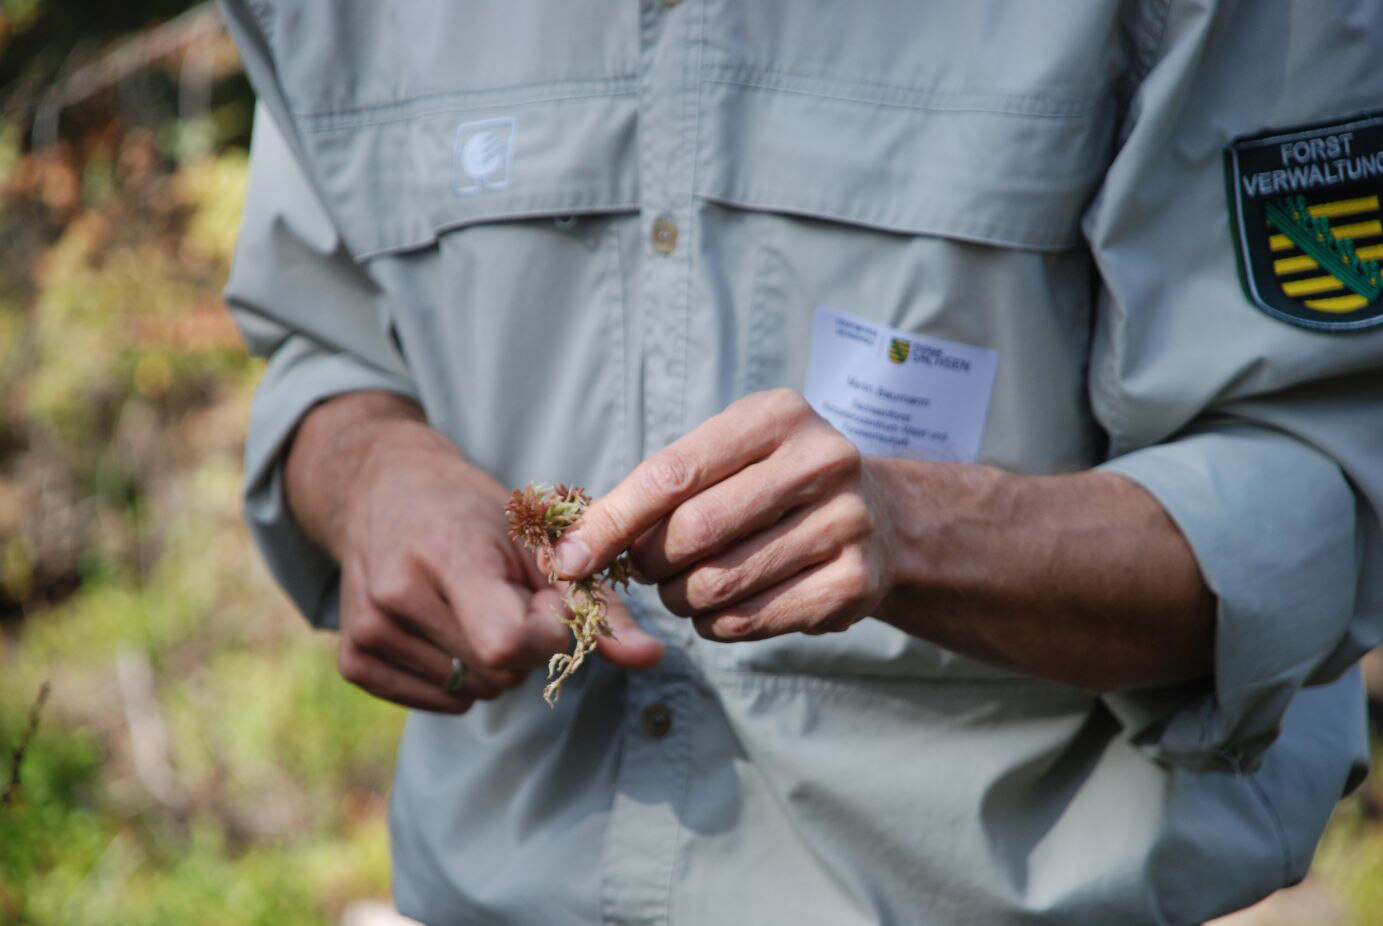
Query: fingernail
<point x="572" y="557"/>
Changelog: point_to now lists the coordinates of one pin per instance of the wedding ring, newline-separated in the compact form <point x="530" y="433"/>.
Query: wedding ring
<point x="457" y="678"/>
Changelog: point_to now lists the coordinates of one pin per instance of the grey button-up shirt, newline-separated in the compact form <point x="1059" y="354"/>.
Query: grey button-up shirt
<point x="572" y="231"/>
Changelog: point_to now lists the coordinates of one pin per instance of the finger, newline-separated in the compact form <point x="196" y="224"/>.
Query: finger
<point x="744" y="433"/>
<point x="408" y="595"/>
<point x="805" y="538"/>
<point x="432" y="664"/>
<point x="405" y="608"/>
<point x="504" y="631"/>
<point x="631" y="647"/>
<point x="546" y="611"/>
<point x="385" y="680"/>
<point x="829" y="597"/>
<point x="798" y="471"/>
<point x="536" y="567"/>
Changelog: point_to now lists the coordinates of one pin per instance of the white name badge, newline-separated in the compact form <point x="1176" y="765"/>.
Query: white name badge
<point x="899" y="394"/>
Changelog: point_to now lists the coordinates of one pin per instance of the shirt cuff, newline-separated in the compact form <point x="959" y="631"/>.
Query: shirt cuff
<point x="299" y="376"/>
<point x="1271" y="523"/>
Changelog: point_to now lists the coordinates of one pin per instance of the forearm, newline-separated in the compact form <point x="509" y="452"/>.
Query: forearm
<point x="331" y="447"/>
<point x="1080" y="578"/>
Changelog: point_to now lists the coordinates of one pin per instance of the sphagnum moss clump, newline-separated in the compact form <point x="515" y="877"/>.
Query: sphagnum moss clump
<point x="538" y="516"/>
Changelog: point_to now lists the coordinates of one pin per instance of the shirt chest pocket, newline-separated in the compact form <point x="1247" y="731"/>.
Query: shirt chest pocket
<point x="492" y="224"/>
<point x="451" y="144"/>
<point x="987" y="121"/>
<point x="1007" y="178"/>
<point x="880" y="187"/>
<point x="418" y="118"/>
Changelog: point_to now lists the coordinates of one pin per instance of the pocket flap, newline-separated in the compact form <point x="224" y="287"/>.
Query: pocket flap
<point x="396" y="177"/>
<point x="998" y="170"/>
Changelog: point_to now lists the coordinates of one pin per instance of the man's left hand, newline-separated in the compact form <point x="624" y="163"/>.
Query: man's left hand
<point x="763" y="520"/>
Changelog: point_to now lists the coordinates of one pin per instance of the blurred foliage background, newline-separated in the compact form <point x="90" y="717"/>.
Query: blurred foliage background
<point x="196" y="757"/>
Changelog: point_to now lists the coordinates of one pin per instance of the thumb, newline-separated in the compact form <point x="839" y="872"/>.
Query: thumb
<point x="631" y="647"/>
<point x="615" y="520"/>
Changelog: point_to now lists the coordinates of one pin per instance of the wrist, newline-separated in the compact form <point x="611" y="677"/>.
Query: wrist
<point x="968" y="571"/>
<point x="1081" y="578"/>
<point x="948" y="523"/>
<point x="335" y="453"/>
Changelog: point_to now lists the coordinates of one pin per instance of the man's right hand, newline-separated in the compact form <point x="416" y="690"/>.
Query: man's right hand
<point x="428" y="571"/>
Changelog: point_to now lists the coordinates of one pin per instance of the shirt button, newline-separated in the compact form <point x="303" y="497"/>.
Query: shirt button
<point x="656" y="720"/>
<point x="664" y="234"/>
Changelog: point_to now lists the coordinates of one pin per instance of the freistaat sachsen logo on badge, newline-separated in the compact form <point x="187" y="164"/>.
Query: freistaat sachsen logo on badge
<point x="1307" y="222"/>
<point x="898" y="350"/>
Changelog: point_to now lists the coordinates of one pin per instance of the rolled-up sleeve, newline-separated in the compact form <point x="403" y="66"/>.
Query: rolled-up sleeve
<point x="302" y="302"/>
<point x="1273" y="524"/>
<point x="1262" y="439"/>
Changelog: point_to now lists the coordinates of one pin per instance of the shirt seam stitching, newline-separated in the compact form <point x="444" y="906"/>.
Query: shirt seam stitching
<point x="847" y="682"/>
<point x="337" y="123"/>
<point x="1018" y="104"/>
<point x="532" y="207"/>
<point x="890" y="221"/>
<point x="1153" y="38"/>
<point x="1279" y="829"/>
<point x="574" y="89"/>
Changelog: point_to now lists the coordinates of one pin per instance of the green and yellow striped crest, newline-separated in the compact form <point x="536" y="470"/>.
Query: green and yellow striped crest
<point x="898" y="350"/>
<point x="1308" y="224"/>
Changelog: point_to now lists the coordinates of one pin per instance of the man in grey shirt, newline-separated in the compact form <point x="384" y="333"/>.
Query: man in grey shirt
<point x="990" y="395"/>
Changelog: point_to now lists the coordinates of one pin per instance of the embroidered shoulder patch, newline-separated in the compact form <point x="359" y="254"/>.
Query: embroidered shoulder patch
<point x="1308" y="230"/>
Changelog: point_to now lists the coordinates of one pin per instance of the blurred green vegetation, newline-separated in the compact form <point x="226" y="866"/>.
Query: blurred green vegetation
<point x="1350" y="859"/>
<point x="199" y="760"/>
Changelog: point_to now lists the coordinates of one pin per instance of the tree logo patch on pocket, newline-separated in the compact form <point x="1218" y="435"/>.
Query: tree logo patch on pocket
<point x="481" y="154"/>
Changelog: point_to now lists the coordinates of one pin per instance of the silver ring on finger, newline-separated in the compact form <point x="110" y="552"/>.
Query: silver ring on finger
<point x="457" y="678"/>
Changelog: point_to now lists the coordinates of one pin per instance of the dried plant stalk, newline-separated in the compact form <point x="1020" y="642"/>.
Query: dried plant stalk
<point x="538" y="516"/>
<point x="12" y="788"/>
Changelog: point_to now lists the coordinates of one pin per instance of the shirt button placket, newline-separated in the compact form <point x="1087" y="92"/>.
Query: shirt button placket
<point x="638" y="860"/>
<point x="644" y="830"/>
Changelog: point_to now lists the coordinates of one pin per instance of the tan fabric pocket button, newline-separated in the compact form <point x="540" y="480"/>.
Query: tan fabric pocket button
<point x="664" y="234"/>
